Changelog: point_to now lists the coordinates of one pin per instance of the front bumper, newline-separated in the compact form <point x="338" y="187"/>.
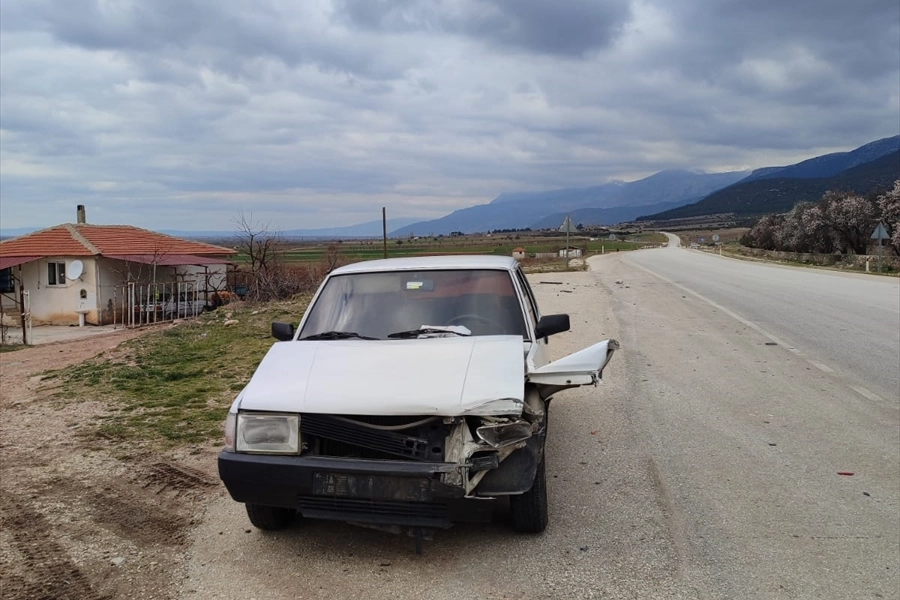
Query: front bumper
<point x="381" y="492"/>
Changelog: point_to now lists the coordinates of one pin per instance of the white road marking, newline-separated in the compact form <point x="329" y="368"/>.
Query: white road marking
<point x="866" y="393"/>
<point x="822" y="367"/>
<point x="718" y="306"/>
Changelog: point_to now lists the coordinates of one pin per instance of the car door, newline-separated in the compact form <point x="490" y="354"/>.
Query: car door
<point x="537" y="349"/>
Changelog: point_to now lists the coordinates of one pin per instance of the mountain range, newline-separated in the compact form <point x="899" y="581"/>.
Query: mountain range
<point x="610" y="203"/>
<point x="675" y="194"/>
<point x="829" y="164"/>
<point x="776" y="194"/>
<point x="362" y="230"/>
<point x="665" y="195"/>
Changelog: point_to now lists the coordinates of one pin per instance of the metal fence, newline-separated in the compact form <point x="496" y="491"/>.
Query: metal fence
<point x="11" y="332"/>
<point x="135" y="305"/>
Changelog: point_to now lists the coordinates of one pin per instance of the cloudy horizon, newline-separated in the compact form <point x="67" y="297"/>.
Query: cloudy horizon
<point x="180" y="114"/>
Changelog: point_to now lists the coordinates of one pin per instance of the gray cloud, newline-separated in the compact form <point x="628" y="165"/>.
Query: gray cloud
<point x="563" y="27"/>
<point x="319" y="113"/>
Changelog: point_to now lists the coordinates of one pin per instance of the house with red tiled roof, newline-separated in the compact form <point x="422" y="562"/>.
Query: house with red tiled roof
<point x="100" y="274"/>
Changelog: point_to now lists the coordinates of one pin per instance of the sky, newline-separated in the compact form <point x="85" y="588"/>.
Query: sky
<point x="184" y="114"/>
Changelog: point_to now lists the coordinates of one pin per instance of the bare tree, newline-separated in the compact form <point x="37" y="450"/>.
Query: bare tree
<point x="332" y="257"/>
<point x="259" y="244"/>
<point x="141" y="271"/>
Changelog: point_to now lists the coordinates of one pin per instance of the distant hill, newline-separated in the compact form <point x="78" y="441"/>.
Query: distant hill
<point x="528" y="209"/>
<point x="362" y="230"/>
<point x="606" y="216"/>
<point x="780" y="194"/>
<point x="368" y="229"/>
<point x="16" y="232"/>
<point x="829" y="164"/>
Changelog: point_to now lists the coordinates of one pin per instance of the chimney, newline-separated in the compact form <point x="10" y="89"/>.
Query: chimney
<point x="81" y="216"/>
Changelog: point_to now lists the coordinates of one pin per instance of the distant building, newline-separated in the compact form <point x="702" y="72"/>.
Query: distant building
<point x="518" y="253"/>
<point x="570" y="252"/>
<point x="78" y="272"/>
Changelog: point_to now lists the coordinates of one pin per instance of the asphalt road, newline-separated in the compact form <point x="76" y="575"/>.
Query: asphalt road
<point x="707" y="465"/>
<point x="844" y="323"/>
<point x="756" y="386"/>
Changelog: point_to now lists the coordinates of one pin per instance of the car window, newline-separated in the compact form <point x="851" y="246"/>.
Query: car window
<point x="377" y="304"/>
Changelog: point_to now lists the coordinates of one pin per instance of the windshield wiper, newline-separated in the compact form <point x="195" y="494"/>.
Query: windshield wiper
<point x="337" y="335"/>
<point x="456" y="330"/>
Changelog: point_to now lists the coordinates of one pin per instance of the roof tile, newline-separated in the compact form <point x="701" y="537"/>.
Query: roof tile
<point x="89" y="240"/>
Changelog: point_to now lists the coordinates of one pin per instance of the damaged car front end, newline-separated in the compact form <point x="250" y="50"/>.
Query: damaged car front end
<point x="347" y="420"/>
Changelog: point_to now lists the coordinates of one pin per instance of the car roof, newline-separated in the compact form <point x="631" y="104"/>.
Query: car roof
<point x="424" y="263"/>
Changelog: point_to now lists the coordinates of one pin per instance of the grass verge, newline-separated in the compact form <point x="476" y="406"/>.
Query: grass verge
<point x="12" y="347"/>
<point x="174" y="386"/>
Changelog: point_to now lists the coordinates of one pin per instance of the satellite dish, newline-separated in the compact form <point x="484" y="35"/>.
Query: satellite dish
<point x="75" y="269"/>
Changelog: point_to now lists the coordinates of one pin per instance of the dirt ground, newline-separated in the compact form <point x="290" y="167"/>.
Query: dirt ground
<point x="79" y="520"/>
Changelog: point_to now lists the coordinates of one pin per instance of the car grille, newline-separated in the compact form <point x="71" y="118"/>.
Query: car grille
<point x="342" y="437"/>
<point x="368" y="511"/>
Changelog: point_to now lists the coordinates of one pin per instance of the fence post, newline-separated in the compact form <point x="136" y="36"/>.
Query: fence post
<point x="130" y="307"/>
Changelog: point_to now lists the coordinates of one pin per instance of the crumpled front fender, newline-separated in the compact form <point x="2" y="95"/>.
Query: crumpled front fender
<point x="579" y="368"/>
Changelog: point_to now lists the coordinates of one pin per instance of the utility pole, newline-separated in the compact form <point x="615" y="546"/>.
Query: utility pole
<point x="384" y="230"/>
<point x="567" y="225"/>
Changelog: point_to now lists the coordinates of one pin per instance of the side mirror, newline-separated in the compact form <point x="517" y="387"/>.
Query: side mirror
<point x="283" y="331"/>
<point x="550" y="324"/>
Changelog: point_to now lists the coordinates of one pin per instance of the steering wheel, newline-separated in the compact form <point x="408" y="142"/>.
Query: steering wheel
<point x="473" y="319"/>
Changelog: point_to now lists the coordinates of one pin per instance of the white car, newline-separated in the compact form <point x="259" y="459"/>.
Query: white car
<point x="412" y="395"/>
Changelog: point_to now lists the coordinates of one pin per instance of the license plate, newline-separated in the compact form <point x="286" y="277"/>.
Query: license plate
<point x="374" y="487"/>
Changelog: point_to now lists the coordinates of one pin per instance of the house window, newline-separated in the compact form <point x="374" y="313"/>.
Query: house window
<point x="56" y="273"/>
<point x="7" y="283"/>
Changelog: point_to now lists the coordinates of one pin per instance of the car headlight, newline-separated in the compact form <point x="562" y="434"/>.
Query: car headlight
<point x="267" y="433"/>
<point x="499" y="435"/>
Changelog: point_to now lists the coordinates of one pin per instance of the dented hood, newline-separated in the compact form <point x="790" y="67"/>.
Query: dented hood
<point x="440" y="376"/>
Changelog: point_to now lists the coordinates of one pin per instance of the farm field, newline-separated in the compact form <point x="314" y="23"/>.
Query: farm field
<point x="497" y="244"/>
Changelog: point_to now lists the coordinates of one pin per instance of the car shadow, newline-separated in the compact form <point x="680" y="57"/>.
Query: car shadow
<point x="332" y="538"/>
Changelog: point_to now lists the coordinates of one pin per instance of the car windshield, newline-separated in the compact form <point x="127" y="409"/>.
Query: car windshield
<point x="376" y="305"/>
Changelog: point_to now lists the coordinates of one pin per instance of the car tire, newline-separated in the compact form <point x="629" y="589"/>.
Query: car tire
<point x="529" y="510"/>
<point x="270" y="518"/>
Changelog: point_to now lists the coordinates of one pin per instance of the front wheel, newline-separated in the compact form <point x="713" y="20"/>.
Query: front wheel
<point x="529" y="510"/>
<point x="270" y="518"/>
